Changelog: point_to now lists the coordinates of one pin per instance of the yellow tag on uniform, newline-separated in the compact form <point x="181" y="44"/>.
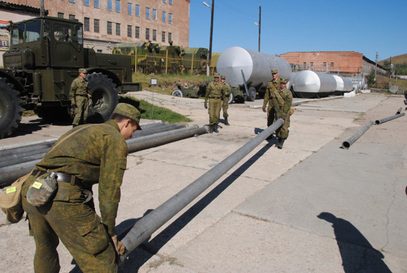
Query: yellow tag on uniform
<point x="11" y="190"/>
<point x="37" y="185"/>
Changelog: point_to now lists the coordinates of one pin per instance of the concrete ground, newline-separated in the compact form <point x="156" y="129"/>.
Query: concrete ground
<point x="310" y="207"/>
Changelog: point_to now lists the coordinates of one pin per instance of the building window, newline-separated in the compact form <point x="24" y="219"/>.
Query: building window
<point x="86" y="23"/>
<point x="118" y="29"/>
<point x="170" y="1"/>
<point x="147" y="13"/>
<point x="154" y="14"/>
<point x="137" y="11"/>
<point x="312" y="64"/>
<point x="129" y="8"/>
<point x="86" y="3"/>
<point x="118" y="6"/>
<point x="96" y="25"/>
<point x="137" y="33"/>
<point x="170" y="18"/>
<point x="71" y="1"/>
<point x="60" y="15"/>
<point x="71" y="17"/>
<point x="96" y="4"/>
<point x="164" y="16"/>
<point x="129" y="30"/>
<point x="109" y="27"/>
<point x="147" y="34"/>
<point x="164" y="1"/>
<point x="154" y="35"/>
<point x="169" y="36"/>
<point x="163" y="37"/>
<point x="110" y="5"/>
<point x="332" y="64"/>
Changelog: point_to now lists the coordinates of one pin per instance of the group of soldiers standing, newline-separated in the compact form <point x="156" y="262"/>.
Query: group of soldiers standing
<point x="277" y="103"/>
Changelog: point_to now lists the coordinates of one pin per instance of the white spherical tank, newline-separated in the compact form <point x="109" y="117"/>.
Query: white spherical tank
<point x="256" y="66"/>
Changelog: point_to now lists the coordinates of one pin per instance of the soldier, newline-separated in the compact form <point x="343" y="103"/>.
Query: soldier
<point x="281" y="101"/>
<point x="271" y="86"/>
<point x="215" y="94"/>
<point x="227" y="89"/>
<point x="86" y="155"/>
<point x="80" y="98"/>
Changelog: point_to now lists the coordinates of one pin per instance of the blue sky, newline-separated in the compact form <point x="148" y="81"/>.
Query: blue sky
<point x="365" y="26"/>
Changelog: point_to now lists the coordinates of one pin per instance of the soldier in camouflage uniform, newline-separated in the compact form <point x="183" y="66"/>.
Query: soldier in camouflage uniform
<point x="227" y="89"/>
<point x="80" y="97"/>
<point x="272" y="86"/>
<point x="281" y="101"/>
<point x="215" y="95"/>
<point x="86" y="155"/>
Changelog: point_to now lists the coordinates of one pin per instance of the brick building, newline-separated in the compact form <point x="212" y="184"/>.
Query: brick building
<point x="347" y="63"/>
<point x="107" y="22"/>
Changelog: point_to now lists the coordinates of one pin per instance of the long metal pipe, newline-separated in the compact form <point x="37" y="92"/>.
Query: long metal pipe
<point x="380" y="121"/>
<point x="346" y="144"/>
<point x="149" y="141"/>
<point x="155" y="219"/>
<point x="168" y="127"/>
<point x="11" y="172"/>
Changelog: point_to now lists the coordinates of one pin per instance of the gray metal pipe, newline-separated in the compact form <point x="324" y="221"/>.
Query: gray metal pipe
<point x="153" y="140"/>
<point x="155" y="219"/>
<point x="346" y="144"/>
<point x="380" y="121"/>
<point x="168" y="127"/>
<point x="12" y="172"/>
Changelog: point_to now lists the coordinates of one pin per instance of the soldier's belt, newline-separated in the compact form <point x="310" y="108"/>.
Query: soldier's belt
<point x="216" y="98"/>
<point x="82" y="95"/>
<point x="62" y="177"/>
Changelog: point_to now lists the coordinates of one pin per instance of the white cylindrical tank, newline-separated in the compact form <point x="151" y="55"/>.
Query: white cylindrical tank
<point x="348" y="84"/>
<point x="256" y="66"/>
<point x="312" y="84"/>
<point x="340" y="85"/>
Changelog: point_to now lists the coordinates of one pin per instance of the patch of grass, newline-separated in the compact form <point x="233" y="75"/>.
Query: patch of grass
<point x="158" y="113"/>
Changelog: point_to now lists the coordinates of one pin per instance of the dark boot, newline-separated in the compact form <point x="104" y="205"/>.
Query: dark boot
<point x="280" y="143"/>
<point x="226" y="121"/>
<point x="215" y="128"/>
<point x="210" y="128"/>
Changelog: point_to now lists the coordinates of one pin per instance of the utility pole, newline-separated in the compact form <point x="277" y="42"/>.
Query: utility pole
<point x="375" y="71"/>
<point x="42" y="9"/>
<point x="210" y="40"/>
<point x="259" y="25"/>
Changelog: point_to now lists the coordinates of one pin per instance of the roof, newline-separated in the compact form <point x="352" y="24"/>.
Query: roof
<point x="17" y="7"/>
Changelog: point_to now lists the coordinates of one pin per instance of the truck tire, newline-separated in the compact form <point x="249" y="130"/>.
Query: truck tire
<point x="177" y="93"/>
<point x="10" y="108"/>
<point x="252" y="94"/>
<point x="104" y="97"/>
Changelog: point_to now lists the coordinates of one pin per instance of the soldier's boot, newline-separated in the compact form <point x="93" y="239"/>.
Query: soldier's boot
<point x="215" y="128"/>
<point x="226" y="121"/>
<point x="280" y="143"/>
<point x="210" y="128"/>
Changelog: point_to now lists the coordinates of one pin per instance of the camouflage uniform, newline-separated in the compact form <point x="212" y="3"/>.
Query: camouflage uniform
<point x="227" y="90"/>
<point x="92" y="154"/>
<point x="281" y="101"/>
<point x="272" y="86"/>
<point x="215" y="94"/>
<point x="80" y="96"/>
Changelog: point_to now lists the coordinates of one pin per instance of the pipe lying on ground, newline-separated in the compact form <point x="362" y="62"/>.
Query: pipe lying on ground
<point x="399" y="111"/>
<point x="149" y="141"/>
<point x="380" y="121"/>
<point x="155" y="219"/>
<point x="12" y="172"/>
<point x="168" y="127"/>
<point x="346" y="144"/>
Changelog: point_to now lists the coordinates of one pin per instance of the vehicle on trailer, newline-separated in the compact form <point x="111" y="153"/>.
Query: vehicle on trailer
<point x="43" y="59"/>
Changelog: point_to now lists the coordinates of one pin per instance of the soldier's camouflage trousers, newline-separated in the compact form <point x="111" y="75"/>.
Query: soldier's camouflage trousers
<point x="214" y="111"/>
<point x="76" y="225"/>
<point x="81" y="110"/>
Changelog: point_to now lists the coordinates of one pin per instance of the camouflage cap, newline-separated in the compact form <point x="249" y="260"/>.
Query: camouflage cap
<point x="283" y="81"/>
<point x="223" y="77"/>
<point x="128" y="111"/>
<point x="216" y="75"/>
<point x="83" y="70"/>
<point x="273" y="71"/>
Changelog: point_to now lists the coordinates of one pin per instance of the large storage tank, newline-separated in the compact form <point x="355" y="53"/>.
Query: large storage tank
<point x="256" y="67"/>
<point x="312" y="84"/>
<point x="343" y="84"/>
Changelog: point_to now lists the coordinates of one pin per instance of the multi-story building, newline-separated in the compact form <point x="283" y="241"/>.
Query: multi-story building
<point x="347" y="63"/>
<point x="108" y="22"/>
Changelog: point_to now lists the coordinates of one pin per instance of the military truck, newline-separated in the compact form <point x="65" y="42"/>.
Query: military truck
<point x="43" y="59"/>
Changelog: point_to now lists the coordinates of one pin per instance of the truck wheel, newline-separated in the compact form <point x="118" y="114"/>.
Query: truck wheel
<point x="10" y="108"/>
<point x="177" y="93"/>
<point x="252" y="94"/>
<point x="104" y="97"/>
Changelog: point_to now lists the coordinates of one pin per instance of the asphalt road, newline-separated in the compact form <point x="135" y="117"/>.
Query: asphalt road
<point x="310" y="207"/>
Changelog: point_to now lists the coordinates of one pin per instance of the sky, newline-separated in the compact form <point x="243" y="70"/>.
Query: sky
<point x="370" y="27"/>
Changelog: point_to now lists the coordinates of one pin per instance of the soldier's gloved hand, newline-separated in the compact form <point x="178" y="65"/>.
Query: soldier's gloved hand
<point x="89" y="96"/>
<point x="206" y="105"/>
<point x="119" y="246"/>
<point x="264" y="109"/>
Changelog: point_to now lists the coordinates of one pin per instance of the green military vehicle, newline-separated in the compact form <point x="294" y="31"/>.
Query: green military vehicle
<point x="43" y="59"/>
